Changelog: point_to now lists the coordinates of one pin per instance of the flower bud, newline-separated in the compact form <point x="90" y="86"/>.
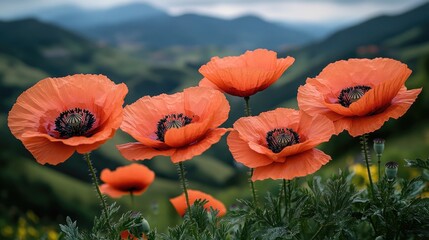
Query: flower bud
<point x="391" y="170"/>
<point x="140" y="227"/>
<point x="379" y="146"/>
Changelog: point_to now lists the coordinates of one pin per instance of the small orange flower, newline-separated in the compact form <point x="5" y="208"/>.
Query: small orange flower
<point x="59" y="116"/>
<point x="359" y="95"/>
<point x="280" y="144"/>
<point x="244" y="75"/>
<point x="126" y="235"/>
<point x="180" y="205"/>
<point x="134" y="178"/>
<point x="182" y="125"/>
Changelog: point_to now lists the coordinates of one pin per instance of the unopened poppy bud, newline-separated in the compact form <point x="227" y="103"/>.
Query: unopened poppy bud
<point x="379" y="146"/>
<point x="391" y="170"/>
<point x="141" y="226"/>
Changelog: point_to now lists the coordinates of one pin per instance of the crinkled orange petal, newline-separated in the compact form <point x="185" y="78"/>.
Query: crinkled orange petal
<point x="312" y="102"/>
<point x="207" y="104"/>
<point x="138" y="151"/>
<point x="370" y="72"/>
<point x="45" y="151"/>
<point x="242" y="153"/>
<point x="246" y="74"/>
<point x="187" y="135"/>
<point x="179" y="202"/>
<point x="380" y="96"/>
<point x="298" y="165"/>
<point x="188" y="152"/>
<point x="399" y="106"/>
<point x="207" y="83"/>
<point x="141" y="118"/>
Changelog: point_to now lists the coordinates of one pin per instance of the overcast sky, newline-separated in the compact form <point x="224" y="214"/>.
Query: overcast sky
<point x="311" y="11"/>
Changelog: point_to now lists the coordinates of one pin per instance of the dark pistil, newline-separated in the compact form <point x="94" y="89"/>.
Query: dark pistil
<point x="352" y="94"/>
<point x="280" y="138"/>
<point x="171" y="121"/>
<point x="74" y="122"/>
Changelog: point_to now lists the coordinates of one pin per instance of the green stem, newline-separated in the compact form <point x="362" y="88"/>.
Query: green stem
<point x="252" y="186"/>
<point x="379" y="166"/>
<point x="247" y="113"/>
<point x="367" y="160"/>
<point x="97" y="186"/>
<point x="183" y="181"/>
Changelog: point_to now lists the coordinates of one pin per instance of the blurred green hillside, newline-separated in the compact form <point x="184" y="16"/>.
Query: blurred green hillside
<point x="31" y="50"/>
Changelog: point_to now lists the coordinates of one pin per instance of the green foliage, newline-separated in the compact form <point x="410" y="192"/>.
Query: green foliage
<point x="198" y="223"/>
<point x="133" y="222"/>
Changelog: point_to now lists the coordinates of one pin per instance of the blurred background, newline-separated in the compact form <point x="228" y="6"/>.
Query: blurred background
<point x="157" y="47"/>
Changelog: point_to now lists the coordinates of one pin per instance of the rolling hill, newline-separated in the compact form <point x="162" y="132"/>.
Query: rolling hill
<point x="142" y="25"/>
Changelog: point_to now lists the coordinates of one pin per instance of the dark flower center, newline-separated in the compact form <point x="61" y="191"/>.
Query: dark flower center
<point x="352" y="94"/>
<point x="171" y="121"/>
<point x="280" y="138"/>
<point x="74" y="122"/>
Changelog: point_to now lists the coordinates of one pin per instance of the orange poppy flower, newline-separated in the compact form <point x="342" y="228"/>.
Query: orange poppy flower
<point x="134" y="178"/>
<point x="359" y="95"/>
<point x="58" y="116"/>
<point x="244" y="75"/>
<point x="280" y="144"/>
<point x="180" y="205"/>
<point x="182" y="125"/>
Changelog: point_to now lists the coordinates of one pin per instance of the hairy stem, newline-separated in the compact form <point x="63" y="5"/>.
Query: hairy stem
<point x="183" y="181"/>
<point x="379" y="166"/>
<point x="247" y="113"/>
<point x="367" y="160"/>
<point x="97" y="186"/>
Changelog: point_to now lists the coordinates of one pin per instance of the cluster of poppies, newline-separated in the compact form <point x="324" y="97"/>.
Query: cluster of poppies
<point x="58" y="116"/>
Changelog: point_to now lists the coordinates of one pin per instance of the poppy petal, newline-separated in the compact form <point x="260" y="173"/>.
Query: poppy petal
<point x="311" y="101"/>
<point x="138" y="151"/>
<point x="207" y="83"/>
<point x="400" y="105"/>
<point x="242" y="153"/>
<point x="180" y="205"/>
<point x="246" y="74"/>
<point x="354" y="72"/>
<point x="112" y="192"/>
<point x="207" y="104"/>
<point x="45" y="151"/>
<point x="188" y="152"/>
<point x="295" y="166"/>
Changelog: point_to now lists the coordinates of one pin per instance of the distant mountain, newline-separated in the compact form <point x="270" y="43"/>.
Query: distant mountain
<point x="144" y="26"/>
<point x="192" y="30"/>
<point x="73" y="17"/>
<point x="315" y="30"/>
